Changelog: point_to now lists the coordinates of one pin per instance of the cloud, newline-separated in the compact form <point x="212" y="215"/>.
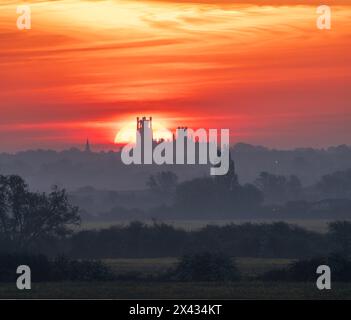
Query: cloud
<point x="259" y="2"/>
<point x="240" y="66"/>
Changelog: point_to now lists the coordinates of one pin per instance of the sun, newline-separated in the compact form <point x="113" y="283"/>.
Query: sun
<point x="127" y="133"/>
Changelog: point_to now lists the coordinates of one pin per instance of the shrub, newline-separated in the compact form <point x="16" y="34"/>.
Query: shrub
<point x="39" y="265"/>
<point x="80" y="270"/>
<point x="305" y="270"/>
<point x="60" y="269"/>
<point x="205" y="267"/>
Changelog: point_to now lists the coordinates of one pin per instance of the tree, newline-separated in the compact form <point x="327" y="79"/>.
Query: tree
<point x="335" y="185"/>
<point x="249" y="196"/>
<point x="163" y="182"/>
<point x="230" y="180"/>
<point x="26" y="217"/>
<point x="277" y="188"/>
<point x="340" y="234"/>
<point x="294" y="188"/>
<point x="206" y="266"/>
<point x="220" y="195"/>
<point x="272" y="186"/>
<point x="199" y="197"/>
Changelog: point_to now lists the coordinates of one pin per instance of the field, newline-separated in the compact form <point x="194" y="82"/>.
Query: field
<point x="249" y="267"/>
<point x="245" y="289"/>
<point x="317" y="225"/>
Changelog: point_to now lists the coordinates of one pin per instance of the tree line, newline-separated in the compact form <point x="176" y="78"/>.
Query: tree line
<point x="269" y="196"/>
<point x="45" y="223"/>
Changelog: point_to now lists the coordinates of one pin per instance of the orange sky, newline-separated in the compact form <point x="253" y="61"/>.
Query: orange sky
<point x="259" y="67"/>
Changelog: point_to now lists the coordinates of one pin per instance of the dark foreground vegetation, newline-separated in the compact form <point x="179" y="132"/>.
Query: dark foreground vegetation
<point x="278" y="240"/>
<point x="202" y="267"/>
<point x="138" y="240"/>
<point x="177" y="290"/>
<point x="305" y="270"/>
<point x="46" y="223"/>
<point x="40" y="230"/>
<point x="58" y="269"/>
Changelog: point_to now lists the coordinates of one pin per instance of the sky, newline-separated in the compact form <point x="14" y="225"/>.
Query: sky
<point x="261" y="68"/>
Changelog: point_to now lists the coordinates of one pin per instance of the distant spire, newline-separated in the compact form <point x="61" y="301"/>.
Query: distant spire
<point x="87" y="146"/>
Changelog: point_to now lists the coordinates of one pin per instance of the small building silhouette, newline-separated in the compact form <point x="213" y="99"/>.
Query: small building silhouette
<point x="87" y="147"/>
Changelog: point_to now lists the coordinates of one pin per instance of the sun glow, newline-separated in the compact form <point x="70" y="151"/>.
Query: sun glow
<point x="127" y="133"/>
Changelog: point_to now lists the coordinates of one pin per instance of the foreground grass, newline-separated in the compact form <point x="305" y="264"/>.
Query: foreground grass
<point x="147" y="289"/>
<point x="169" y="290"/>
